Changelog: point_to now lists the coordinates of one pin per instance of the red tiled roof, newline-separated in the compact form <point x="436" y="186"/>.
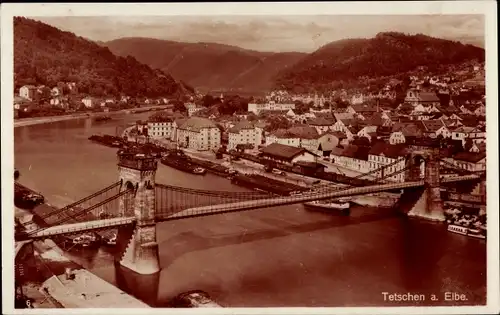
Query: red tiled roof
<point x="282" y="151"/>
<point x="304" y="132"/>
<point x="320" y="121"/>
<point x="360" y="108"/>
<point x="353" y="151"/>
<point x="432" y="125"/>
<point x="428" y="97"/>
<point x="388" y="150"/>
<point x="241" y="126"/>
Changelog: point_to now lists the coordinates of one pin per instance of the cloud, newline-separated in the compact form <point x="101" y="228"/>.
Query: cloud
<point x="269" y="33"/>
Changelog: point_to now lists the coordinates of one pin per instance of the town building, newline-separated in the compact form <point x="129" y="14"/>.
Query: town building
<point x="270" y="106"/>
<point x="160" y="127"/>
<point x="283" y="136"/>
<point x="382" y="154"/>
<point x="471" y="161"/>
<point x="351" y="157"/>
<point x="28" y="92"/>
<point x="243" y="133"/>
<point x="199" y="134"/>
<point x="416" y="96"/>
<point x="89" y="101"/>
<point x="280" y="153"/>
<point x="321" y="124"/>
<point x="463" y="133"/>
<point x="193" y="108"/>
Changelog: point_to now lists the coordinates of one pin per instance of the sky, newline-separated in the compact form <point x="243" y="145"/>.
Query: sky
<point x="304" y="33"/>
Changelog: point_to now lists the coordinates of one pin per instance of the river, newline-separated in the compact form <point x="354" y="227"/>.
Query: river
<point x="275" y="257"/>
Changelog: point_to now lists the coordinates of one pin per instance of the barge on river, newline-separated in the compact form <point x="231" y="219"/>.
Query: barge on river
<point x="102" y="118"/>
<point x="26" y="198"/>
<point x="339" y="206"/>
<point x="107" y="140"/>
<point x="263" y="183"/>
<point x="181" y="162"/>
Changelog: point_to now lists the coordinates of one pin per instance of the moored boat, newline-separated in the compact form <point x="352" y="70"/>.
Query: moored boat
<point x="182" y="165"/>
<point x="86" y="240"/>
<point x="472" y="232"/>
<point x="340" y="206"/>
<point x="199" y="170"/>
<point x="110" y="240"/>
<point x="457" y="229"/>
<point x="476" y="233"/>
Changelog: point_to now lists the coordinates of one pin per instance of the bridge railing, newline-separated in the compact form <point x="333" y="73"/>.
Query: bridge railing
<point x="79" y="227"/>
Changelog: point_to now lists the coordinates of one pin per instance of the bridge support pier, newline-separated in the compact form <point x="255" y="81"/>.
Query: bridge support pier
<point x="141" y="254"/>
<point x="430" y="206"/>
<point x="137" y="247"/>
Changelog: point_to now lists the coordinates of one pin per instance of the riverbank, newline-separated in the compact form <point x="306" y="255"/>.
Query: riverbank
<point x="45" y="120"/>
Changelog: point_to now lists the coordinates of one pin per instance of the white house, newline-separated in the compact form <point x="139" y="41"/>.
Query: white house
<point x="474" y="133"/>
<point x="480" y="110"/>
<point x="283" y="136"/>
<point x="199" y="133"/>
<point x="192" y="108"/>
<point x="281" y="153"/>
<point x="321" y="124"/>
<point x="475" y="162"/>
<point x="243" y="132"/>
<point x="271" y="105"/>
<point x="382" y="154"/>
<point x="89" y="101"/>
<point x="160" y="128"/>
<point x="56" y="91"/>
<point x="367" y="132"/>
<point x="28" y="92"/>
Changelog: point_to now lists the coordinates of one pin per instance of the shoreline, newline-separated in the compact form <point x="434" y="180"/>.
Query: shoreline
<point x="49" y="119"/>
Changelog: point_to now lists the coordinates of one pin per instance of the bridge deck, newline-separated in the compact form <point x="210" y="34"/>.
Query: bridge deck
<point x="81" y="227"/>
<point x="306" y="197"/>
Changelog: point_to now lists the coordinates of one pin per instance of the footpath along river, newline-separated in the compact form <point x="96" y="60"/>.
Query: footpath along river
<point x="277" y="257"/>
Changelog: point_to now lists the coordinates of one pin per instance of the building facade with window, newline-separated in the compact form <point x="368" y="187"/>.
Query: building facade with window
<point x="199" y="134"/>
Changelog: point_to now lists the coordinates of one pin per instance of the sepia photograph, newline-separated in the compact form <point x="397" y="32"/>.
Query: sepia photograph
<point x="266" y="155"/>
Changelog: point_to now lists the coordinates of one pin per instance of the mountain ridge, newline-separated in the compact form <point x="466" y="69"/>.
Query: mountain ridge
<point x="225" y="67"/>
<point x="229" y="67"/>
<point x="46" y="55"/>
<point x="387" y="54"/>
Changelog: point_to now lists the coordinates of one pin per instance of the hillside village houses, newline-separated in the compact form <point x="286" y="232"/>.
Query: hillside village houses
<point x="360" y="135"/>
<point x="270" y="105"/>
<point x="193" y="108"/>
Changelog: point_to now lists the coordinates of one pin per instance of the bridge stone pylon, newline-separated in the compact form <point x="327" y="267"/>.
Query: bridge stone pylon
<point x="137" y="247"/>
<point x="425" y="165"/>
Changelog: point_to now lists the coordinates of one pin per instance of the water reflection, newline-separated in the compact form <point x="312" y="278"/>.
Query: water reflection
<point x="144" y="287"/>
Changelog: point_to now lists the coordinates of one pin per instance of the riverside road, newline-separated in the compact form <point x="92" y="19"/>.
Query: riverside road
<point x="273" y="257"/>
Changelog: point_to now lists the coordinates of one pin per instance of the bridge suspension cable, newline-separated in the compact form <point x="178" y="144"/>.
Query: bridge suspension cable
<point x="459" y="169"/>
<point x="375" y="171"/>
<point x="83" y="211"/>
<point x="76" y="203"/>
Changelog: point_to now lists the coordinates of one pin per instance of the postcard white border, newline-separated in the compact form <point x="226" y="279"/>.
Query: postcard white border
<point x="487" y="8"/>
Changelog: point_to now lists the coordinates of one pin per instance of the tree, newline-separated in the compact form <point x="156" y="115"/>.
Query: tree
<point x="179" y="106"/>
<point x="301" y="108"/>
<point x="207" y="100"/>
<point x="252" y="117"/>
<point x="277" y="122"/>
